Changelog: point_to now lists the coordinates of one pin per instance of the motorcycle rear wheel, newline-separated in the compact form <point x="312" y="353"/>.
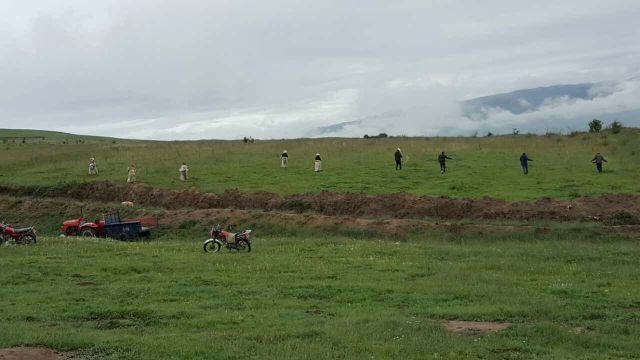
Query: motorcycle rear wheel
<point x="244" y="245"/>
<point x="27" y="239"/>
<point x="211" y="246"/>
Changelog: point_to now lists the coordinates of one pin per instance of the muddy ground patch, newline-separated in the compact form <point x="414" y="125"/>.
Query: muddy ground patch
<point x="35" y="353"/>
<point x="473" y="328"/>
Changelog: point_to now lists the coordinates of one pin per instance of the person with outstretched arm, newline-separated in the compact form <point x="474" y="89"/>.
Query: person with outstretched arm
<point x="442" y="159"/>
<point x="398" y="156"/>
<point x="598" y="159"/>
<point x="524" y="163"/>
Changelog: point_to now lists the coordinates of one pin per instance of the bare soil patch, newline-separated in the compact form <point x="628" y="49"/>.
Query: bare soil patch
<point x="33" y="353"/>
<point x="474" y="328"/>
<point x="619" y="209"/>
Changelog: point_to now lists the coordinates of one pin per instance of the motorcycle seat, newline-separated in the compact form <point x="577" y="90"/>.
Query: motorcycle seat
<point x="23" y="230"/>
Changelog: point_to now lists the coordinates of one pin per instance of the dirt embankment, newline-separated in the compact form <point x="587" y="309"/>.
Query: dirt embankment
<point x="621" y="209"/>
<point x="48" y="213"/>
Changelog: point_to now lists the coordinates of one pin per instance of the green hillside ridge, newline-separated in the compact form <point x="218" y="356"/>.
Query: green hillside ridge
<point x="480" y="167"/>
<point x="44" y="136"/>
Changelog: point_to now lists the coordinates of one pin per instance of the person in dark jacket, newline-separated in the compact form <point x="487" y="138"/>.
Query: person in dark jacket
<point x="442" y="159"/>
<point x="598" y="159"/>
<point x="398" y="157"/>
<point x="524" y="162"/>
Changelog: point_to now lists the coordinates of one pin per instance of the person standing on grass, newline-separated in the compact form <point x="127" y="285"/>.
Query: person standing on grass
<point x="184" y="172"/>
<point x="598" y="159"/>
<point x="93" y="168"/>
<point x="442" y="159"/>
<point x="131" y="171"/>
<point x="284" y="159"/>
<point x="317" y="163"/>
<point x="524" y="163"/>
<point x="398" y="156"/>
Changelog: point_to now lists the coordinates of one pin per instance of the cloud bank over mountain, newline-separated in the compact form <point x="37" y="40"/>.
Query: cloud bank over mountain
<point x="559" y="108"/>
<point x="192" y="69"/>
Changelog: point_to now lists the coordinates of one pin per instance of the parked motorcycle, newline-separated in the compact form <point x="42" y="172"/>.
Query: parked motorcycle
<point x="23" y="236"/>
<point x="232" y="241"/>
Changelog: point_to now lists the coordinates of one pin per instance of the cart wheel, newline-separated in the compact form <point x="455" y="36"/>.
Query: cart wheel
<point x="88" y="232"/>
<point x="125" y="237"/>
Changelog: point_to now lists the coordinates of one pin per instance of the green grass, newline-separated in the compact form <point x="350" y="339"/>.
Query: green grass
<point x="481" y="166"/>
<point x="325" y="298"/>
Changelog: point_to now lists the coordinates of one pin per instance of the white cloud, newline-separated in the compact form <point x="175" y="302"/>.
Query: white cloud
<point x="277" y="69"/>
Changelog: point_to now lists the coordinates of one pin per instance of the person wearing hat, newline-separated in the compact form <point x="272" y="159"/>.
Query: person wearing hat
<point x="318" y="163"/>
<point x="184" y="172"/>
<point x="93" y="168"/>
<point x="398" y="157"/>
<point x="284" y="159"/>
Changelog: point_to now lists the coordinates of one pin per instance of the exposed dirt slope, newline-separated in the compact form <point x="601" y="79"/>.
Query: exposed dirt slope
<point x="48" y="213"/>
<point x="612" y="209"/>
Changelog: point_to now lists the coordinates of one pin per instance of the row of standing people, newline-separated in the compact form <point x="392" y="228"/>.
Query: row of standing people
<point x="442" y="160"/>
<point x="598" y="159"/>
<point x="131" y="171"/>
<point x="317" y="161"/>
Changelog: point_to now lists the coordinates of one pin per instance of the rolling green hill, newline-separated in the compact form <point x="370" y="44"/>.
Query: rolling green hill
<point x="481" y="167"/>
<point x="14" y="136"/>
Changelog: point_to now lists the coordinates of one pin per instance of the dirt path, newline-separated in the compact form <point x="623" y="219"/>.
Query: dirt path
<point x="33" y="353"/>
<point x="620" y="209"/>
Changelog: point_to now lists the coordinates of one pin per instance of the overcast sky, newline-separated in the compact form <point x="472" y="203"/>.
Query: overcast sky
<point x="193" y="69"/>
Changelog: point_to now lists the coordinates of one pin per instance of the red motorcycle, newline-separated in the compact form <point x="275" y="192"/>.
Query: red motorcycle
<point x="10" y="235"/>
<point x="232" y="241"/>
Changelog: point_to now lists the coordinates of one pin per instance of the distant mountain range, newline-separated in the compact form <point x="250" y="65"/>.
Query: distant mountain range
<point x="518" y="102"/>
<point x="527" y="100"/>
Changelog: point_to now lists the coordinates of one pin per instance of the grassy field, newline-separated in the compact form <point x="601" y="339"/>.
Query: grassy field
<point x="572" y="296"/>
<point x="481" y="166"/>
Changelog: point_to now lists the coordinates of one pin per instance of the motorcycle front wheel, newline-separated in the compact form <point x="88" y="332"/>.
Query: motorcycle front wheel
<point x="211" y="246"/>
<point x="244" y="245"/>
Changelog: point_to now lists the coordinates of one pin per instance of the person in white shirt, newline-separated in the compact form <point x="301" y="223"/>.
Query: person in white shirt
<point x="93" y="168"/>
<point x="284" y="159"/>
<point x="184" y="172"/>
<point x="131" y="172"/>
